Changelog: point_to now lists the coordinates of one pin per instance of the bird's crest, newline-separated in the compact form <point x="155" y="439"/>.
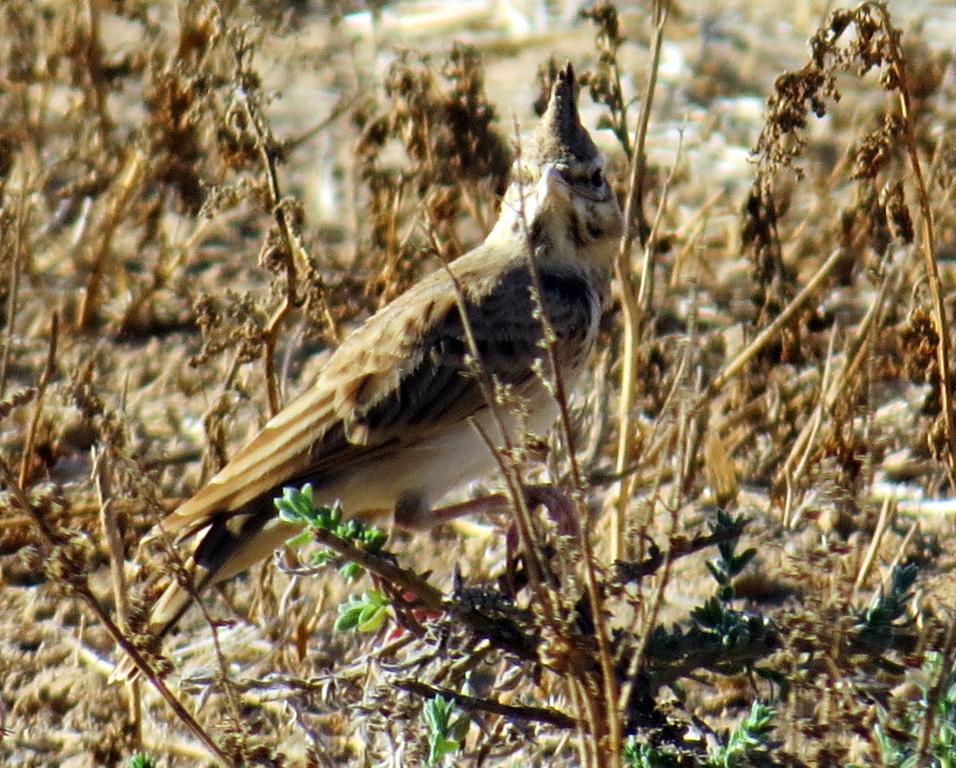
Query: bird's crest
<point x="560" y="138"/>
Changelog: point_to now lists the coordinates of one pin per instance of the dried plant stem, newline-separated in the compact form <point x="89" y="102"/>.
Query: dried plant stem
<point x="887" y="512"/>
<point x="630" y="305"/>
<point x="292" y="251"/>
<point x="652" y="611"/>
<point x="476" y="704"/>
<point x="506" y="463"/>
<point x="628" y="482"/>
<point x="13" y="289"/>
<point x="289" y="300"/>
<point x="804" y="443"/>
<point x="111" y="534"/>
<point x="830" y="393"/>
<point x="770" y="331"/>
<point x="609" y="716"/>
<point x="79" y="586"/>
<point x="928" y="244"/>
<point x="83" y="591"/>
<point x="128" y="184"/>
<point x="48" y="371"/>
<point x="114" y="547"/>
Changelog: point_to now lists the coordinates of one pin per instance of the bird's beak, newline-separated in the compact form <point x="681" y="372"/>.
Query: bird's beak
<point x="551" y="185"/>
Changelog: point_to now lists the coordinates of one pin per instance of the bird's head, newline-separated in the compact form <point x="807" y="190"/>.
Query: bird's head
<point x="559" y="187"/>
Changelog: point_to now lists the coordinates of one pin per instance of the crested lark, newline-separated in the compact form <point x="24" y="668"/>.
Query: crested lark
<point x="387" y="426"/>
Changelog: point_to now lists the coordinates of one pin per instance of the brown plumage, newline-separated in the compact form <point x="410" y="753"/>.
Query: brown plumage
<point x="387" y="426"/>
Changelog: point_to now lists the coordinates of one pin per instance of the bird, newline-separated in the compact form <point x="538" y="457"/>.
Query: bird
<point x="398" y="418"/>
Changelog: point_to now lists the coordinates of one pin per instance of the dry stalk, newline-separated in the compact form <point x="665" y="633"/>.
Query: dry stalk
<point x="267" y="150"/>
<point x="544" y="715"/>
<point x="114" y="548"/>
<point x="887" y="513"/>
<point x="293" y="252"/>
<point x="128" y="184"/>
<point x="832" y="391"/>
<point x="808" y="435"/>
<point x="16" y="266"/>
<point x="185" y="578"/>
<point x="48" y="371"/>
<point x="93" y="60"/>
<point x="630" y="305"/>
<point x="506" y="462"/>
<point x="111" y="534"/>
<point x="928" y="242"/>
<point x="770" y="331"/>
<point x="80" y="587"/>
<point x="627" y="440"/>
<point x="652" y="610"/>
<point x="608" y="682"/>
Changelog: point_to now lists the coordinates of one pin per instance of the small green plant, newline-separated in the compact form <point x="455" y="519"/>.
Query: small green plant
<point x="445" y="735"/>
<point x="716" y="615"/>
<point x="363" y="613"/>
<point x="141" y="760"/>
<point x="297" y="506"/>
<point x="899" y="741"/>
<point x="728" y="565"/>
<point x="642" y="755"/>
<point x="889" y="610"/>
<point x="749" y="739"/>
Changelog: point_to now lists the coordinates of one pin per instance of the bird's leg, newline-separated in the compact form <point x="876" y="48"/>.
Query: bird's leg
<point x="553" y="499"/>
<point x="495" y="502"/>
<point x="559" y="507"/>
<point x="560" y="510"/>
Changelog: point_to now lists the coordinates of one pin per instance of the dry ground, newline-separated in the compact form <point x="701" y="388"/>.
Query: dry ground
<point x="142" y="265"/>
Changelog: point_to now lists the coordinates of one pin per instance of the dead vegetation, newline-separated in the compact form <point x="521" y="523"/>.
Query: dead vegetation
<point x="765" y="455"/>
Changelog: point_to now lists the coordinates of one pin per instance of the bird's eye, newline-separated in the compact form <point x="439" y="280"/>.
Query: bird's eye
<point x="597" y="178"/>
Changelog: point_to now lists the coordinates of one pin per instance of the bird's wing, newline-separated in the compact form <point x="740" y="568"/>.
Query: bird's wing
<point x="396" y="380"/>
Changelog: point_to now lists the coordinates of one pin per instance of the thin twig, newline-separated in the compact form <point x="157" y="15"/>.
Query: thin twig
<point x="48" y="371"/>
<point x="770" y="331"/>
<point x="887" y="512"/>
<point x="126" y="185"/>
<point x="608" y="682"/>
<point x="506" y="464"/>
<point x="114" y="548"/>
<point x="13" y="289"/>
<point x="833" y="392"/>
<point x="79" y="586"/>
<point x="476" y="704"/>
<point x="928" y="243"/>
<point x="270" y="154"/>
<point x="623" y="269"/>
<point x="509" y="640"/>
<point x="632" y="337"/>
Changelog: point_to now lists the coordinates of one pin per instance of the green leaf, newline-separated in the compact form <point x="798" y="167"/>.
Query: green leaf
<point x="750" y="738"/>
<point x="444" y="738"/>
<point x="299" y="540"/>
<point x="364" y="613"/>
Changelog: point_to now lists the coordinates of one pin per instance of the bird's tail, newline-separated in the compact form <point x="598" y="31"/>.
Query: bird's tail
<point x="227" y="546"/>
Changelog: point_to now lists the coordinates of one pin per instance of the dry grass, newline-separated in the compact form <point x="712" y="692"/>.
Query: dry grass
<point x="195" y="206"/>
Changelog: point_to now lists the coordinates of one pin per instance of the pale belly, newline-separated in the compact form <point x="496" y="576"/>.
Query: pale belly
<point x="418" y="476"/>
